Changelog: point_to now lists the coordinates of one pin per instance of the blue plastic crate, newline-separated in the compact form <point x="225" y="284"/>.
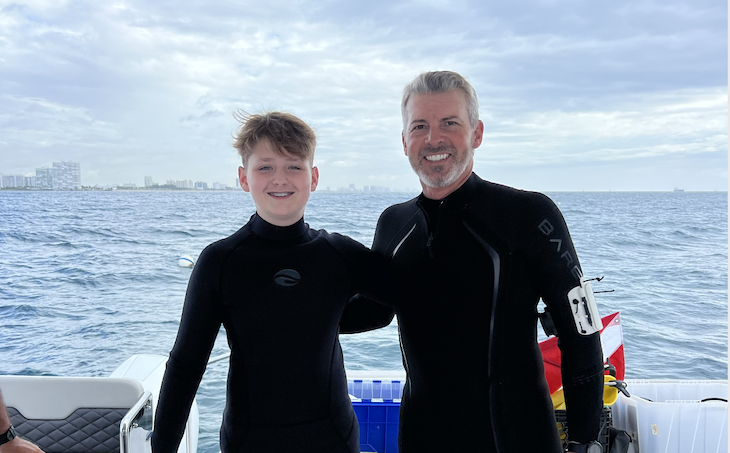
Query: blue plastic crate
<point x="385" y="389"/>
<point x="377" y="408"/>
<point x="378" y="425"/>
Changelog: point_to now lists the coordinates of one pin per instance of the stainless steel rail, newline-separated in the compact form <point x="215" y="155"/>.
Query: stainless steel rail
<point x="218" y="358"/>
<point x="138" y="417"/>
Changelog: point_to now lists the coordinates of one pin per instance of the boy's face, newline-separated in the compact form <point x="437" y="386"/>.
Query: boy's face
<point x="279" y="185"/>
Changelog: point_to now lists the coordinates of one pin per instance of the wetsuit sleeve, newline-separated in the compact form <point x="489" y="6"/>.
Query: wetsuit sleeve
<point x="581" y="356"/>
<point x="367" y="310"/>
<point x="196" y="335"/>
<point x="363" y="313"/>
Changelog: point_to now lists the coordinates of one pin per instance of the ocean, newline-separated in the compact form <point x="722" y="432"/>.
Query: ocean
<point x="88" y="279"/>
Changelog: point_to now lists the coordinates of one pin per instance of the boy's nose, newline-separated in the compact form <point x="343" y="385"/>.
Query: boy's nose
<point x="279" y="178"/>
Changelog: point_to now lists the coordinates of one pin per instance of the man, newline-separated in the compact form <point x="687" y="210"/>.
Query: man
<point x="9" y="441"/>
<point x="469" y="261"/>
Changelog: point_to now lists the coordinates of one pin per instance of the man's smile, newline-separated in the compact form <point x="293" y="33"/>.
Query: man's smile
<point x="436" y="157"/>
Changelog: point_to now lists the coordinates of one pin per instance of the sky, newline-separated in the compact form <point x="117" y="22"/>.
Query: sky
<point x="574" y="94"/>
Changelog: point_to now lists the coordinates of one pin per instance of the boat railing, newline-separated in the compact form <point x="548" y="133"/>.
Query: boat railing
<point x="136" y="425"/>
<point x="218" y="358"/>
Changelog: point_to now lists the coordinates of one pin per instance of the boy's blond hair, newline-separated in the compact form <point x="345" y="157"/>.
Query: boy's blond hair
<point x="287" y="133"/>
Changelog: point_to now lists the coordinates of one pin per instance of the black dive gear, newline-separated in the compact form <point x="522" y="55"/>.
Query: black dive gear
<point x="467" y="274"/>
<point x="279" y="292"/>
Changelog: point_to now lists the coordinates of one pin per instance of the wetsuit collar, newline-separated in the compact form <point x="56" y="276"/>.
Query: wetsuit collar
<point x="266" y="230"/>
<point x="460" y="196"/>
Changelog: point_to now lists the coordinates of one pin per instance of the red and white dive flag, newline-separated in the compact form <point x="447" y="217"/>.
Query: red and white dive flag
<point x="612" y="342"/>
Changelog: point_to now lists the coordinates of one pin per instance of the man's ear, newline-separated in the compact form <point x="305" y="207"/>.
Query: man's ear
<point x="405" y="147"/>
<point x="478" y="135"/>
<point x="243" y="179"/>
<point x="315" y="178"/>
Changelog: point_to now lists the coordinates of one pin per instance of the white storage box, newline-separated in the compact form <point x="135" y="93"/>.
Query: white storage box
<point x="671" y="416"/>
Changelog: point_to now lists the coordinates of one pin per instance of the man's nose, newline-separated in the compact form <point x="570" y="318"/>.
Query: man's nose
<point x="434" y="136"/>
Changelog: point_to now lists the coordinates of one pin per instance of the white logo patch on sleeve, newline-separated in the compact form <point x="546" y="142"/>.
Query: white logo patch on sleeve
<point x="584" y="309"/>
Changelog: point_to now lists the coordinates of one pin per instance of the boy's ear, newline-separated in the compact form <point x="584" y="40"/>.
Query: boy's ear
<point x="315" y="178"/>
<point x="243" y="180"/>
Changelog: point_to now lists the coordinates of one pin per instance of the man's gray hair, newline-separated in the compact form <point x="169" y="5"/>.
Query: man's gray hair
<point x="441" y="82"/>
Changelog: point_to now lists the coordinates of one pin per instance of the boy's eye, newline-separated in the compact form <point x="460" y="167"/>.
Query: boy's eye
<point x="265" y="167"/>
<point x="294" y="167"/>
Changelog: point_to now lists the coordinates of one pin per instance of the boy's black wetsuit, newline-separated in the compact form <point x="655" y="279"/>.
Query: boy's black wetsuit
<point x="468" y="272"/>
<point x="279" y="292"/>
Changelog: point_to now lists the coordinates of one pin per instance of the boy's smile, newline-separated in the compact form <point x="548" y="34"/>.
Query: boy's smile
<point x="279" y="184"/>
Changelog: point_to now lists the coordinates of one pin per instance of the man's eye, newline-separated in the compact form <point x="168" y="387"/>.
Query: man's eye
<point x="418" y="127"/>
<point x="451" y="123"/>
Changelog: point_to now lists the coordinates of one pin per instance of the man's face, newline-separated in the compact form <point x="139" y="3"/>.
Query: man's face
<point x="439" y="140"/>
<point x="280" y="185"/>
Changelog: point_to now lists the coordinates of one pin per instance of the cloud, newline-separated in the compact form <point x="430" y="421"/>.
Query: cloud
<point x="157" y="82"/>
<point x="655" y="124"/>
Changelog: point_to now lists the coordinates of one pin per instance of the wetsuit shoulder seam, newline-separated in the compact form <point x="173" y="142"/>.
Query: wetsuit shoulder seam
<point x="222" y="249"/>
<point x="336" y="242"/>
<point x="398" y="219"/>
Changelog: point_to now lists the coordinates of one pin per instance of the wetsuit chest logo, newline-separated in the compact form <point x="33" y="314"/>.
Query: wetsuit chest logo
<point x="287" y="277"/>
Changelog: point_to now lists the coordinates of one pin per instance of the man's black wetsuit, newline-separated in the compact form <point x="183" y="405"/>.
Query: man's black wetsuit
<point x="468" y="272"/>
<point x="279" y="292"/>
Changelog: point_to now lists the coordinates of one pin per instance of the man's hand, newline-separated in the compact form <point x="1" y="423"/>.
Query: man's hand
<point x="19" y="445"/>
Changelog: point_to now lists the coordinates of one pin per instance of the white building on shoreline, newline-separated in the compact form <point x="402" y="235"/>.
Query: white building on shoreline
<point x="61" y="176"/>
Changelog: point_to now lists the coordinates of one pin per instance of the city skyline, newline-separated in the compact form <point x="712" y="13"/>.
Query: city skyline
<point x="66" y="175"/>
<point x="74" y="183"/>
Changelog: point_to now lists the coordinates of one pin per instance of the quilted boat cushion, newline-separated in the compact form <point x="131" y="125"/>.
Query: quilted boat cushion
<point x="84" y="431"/>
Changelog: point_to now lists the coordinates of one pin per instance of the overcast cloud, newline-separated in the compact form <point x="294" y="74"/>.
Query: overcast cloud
<point x="575" y="94"/>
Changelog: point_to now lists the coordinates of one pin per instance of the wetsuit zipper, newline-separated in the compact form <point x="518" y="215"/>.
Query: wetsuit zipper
<point x="432" y="228"/>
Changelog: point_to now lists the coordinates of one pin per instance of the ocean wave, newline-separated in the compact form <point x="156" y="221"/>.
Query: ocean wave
<point x="20" y="312"/>
<point x="27" y="371"/>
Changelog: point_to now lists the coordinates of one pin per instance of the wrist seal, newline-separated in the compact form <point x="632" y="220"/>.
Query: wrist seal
<point x="8" y="435"/>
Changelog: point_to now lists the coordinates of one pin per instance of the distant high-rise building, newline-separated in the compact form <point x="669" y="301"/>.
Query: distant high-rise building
<point x="148" y="181"/>
<point x="352" y="188"/>
<point x="10" y="181"/>
<point x="201" y="185"/>
<point x="44" y="178"/>
<point x="66" y="175"/>
<point x="61" y="176"/>
<point x="181" y="183"/>
<point x="29" y="181"/>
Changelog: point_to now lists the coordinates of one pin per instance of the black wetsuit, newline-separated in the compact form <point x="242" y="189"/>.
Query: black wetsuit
<point x="468" y="272"/>
<point x="279" y="292"/>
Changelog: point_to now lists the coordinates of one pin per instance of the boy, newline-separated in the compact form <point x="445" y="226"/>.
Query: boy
<point x="279" y="288"/>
